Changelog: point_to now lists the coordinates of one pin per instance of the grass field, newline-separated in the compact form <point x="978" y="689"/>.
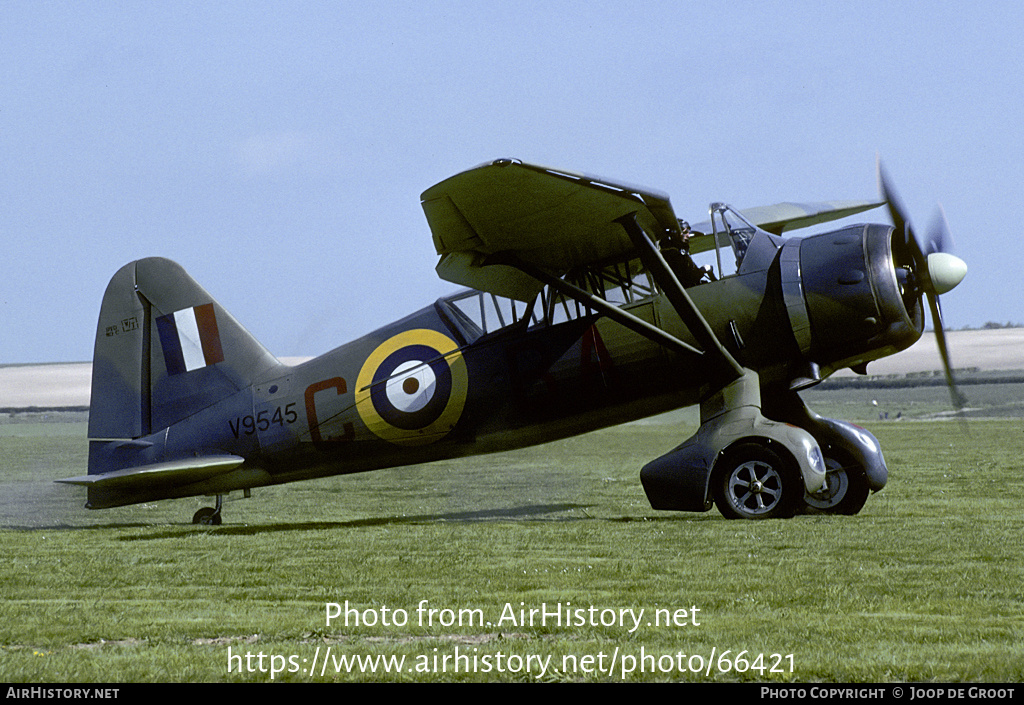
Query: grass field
<point x="927" y="583"/>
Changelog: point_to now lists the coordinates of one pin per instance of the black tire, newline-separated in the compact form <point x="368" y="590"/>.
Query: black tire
<point x="845" y="491"/>
<point x="207" y="516"/>
<point x="752" y="481"/>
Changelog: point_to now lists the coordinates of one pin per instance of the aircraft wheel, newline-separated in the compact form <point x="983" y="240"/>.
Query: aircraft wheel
<point x="207" y="516"/>
<point x="845" y="491"/>
<point x="755" y="482"/>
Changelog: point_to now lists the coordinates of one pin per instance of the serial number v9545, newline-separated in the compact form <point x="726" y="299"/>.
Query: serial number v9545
<point x="263" y="420"/>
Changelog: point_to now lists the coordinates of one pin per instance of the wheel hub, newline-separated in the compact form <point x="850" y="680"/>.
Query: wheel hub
<point x="833" y="490"/>
<point x="756" y="487"/>
<point x="755" y="482"/>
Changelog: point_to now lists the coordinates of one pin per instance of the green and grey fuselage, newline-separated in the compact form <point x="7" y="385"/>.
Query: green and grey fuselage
<point x="472" y="373"/>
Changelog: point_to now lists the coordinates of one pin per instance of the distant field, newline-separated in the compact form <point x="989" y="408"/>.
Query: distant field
<point x="64" y="385"/>
<point x="926" y="584"/>
<point x="986" y="396"/>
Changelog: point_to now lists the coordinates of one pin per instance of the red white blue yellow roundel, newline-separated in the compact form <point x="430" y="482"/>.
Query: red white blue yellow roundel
<point x="412" y="388"/>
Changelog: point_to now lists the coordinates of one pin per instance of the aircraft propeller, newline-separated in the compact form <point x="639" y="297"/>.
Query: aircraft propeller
<point x="927" y="271"/>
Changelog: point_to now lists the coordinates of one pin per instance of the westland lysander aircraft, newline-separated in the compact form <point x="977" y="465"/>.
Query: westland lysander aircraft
<point x="590" y="305"/>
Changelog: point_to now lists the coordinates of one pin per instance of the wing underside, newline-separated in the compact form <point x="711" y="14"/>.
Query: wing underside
<point x="548" y="219"/>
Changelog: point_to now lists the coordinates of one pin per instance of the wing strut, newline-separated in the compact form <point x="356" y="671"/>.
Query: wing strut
<point x="677" y="295"/>
<point x="635" y="324"/>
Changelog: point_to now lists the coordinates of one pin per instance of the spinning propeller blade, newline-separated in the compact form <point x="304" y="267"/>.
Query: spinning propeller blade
<point x="934" y="270"/>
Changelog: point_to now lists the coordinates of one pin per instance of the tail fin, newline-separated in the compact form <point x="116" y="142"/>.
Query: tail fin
<point x="164" y="350"/>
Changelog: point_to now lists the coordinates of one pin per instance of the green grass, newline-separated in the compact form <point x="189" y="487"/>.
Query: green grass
<point x="925" y="584"/>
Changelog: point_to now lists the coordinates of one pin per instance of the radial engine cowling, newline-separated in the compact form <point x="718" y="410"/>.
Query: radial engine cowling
<point x="858" y="305"/>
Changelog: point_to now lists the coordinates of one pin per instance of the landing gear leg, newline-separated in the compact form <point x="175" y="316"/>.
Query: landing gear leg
<point x="209" y="516"/>
<point x="853" y="458"/>
<point x="751" y="466"/>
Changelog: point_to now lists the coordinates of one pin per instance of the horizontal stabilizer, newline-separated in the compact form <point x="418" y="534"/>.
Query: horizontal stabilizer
<point x="174" y="472"/>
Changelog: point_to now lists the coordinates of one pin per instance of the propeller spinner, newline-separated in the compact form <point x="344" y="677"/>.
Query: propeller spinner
<point x="931" y="270"/>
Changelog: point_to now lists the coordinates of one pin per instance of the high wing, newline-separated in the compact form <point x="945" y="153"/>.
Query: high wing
<point x="555" y="220"/>
<point x="549" y="219"/>
<point x="508" y="228"/>
<point x="783" y="217"/>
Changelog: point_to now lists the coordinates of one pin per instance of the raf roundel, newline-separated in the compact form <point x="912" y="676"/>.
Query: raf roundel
<point x="412" y="388"/>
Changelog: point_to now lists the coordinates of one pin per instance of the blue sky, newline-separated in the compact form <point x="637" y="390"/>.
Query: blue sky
<point x="278" y="150"/>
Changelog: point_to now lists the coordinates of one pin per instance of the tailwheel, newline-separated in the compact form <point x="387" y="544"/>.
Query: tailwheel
<point x="209" y="516"/>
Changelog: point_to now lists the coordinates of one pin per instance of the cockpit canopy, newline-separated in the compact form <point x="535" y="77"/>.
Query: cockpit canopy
<point x="729" y="231"/>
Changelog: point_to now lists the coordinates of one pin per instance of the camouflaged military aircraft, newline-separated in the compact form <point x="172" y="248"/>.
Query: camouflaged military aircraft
<point x="590" y="305"/>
